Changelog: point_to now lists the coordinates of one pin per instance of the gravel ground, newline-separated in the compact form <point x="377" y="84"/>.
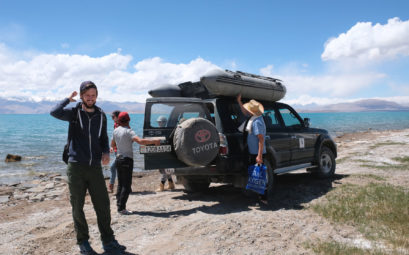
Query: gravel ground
<point x="35" y="217"/>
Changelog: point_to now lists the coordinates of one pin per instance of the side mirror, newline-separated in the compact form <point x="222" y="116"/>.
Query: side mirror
<point x="307" y="122"/>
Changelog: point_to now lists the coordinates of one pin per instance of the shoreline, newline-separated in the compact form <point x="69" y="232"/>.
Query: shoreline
<point x="34" y="174"/>
<point x="44" y="177"/>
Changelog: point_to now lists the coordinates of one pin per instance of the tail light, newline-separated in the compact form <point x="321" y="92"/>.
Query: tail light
<point x="224" y="146"/>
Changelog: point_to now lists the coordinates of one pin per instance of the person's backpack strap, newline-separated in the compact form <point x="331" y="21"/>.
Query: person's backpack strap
<point x="245" y="132"/>
<point x="73" y="122"/>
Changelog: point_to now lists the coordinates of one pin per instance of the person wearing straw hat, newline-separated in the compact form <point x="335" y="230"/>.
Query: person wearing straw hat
<point x="256" y="129"/>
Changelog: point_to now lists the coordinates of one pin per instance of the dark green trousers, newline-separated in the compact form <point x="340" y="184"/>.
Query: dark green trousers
<point x="81" y="178"/>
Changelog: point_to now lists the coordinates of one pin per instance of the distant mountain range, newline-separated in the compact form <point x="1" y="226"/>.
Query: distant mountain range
<point x="365" y="105"/>
<point x="32" y="107"/>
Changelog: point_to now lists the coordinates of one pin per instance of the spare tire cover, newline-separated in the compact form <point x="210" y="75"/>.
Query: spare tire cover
<point x="196" y="142"/>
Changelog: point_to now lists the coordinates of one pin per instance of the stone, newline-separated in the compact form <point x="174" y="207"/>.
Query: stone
<point x="12" y="158"/>
<point x="4" y="199"/>
<point x="37" y="197"/>
<point x="61" y="179"/>
<point x="54" y="194"/>
<point x="49" y="185"/>
<point x="25" y="186"/>
<point x="37" y="189"/>
<point x="20" y="196"/>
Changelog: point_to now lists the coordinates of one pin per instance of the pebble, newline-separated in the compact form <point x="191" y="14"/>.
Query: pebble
<point x="24" y="186"/>
<point x="37" y="197"/>
<point x="4" y="199"/>
<point x="49" y="185"/>
<point x="61" y="178"/>
<point x="37" y="189"/>
<point x="20" y="196"/>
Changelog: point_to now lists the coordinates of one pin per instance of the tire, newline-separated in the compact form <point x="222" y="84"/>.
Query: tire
<point x="194" y="184"/>
<point x="326" y="164"/>
<point x="196" y="142"/>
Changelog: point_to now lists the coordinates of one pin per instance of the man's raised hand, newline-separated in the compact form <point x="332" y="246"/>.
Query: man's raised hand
<point x="71" y="97"/>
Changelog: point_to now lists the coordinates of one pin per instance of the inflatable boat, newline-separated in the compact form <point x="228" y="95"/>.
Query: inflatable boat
<point x="229" y="83"/>
<point x="226" y="83"/>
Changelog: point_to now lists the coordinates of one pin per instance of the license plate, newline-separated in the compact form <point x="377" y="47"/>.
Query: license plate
<point x="155" y="149"/>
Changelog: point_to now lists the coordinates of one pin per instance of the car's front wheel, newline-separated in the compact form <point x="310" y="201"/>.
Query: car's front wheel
<point x="326" y="163"/>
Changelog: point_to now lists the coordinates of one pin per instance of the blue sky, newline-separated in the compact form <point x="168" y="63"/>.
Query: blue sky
<point x="324" y="51"/>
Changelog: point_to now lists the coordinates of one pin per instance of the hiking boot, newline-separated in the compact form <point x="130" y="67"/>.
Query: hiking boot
<point x="125" y="212"/>
<point x="161" y="187"/>
<point x="111" y="188"/>
<point x="113" y="248"/>
<point x="86" y="249"/>
<point x="171" y="185"/>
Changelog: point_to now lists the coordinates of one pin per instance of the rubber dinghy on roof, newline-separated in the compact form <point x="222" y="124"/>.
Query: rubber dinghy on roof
<point x="229" y="83"/>
<point x="218" y="83"/>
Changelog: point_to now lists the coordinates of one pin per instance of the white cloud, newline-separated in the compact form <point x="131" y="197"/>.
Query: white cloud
<point x="332" y="84"/>
<point x="47" y="76"/>
<point x="366" y="42"/>
<point x="306" y="99"/>
<point x="267" y="71"/>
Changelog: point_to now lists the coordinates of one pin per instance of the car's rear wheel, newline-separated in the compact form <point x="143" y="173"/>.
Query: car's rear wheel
<point x="194" y="184"/>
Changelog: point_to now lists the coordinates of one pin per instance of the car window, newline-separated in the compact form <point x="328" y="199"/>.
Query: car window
<point x="289" y="118"/>
<point x="160" y="114"/>
<point x="271" y="120"/>
<point x="235" y="115"/>
<point x="170" y="114"/>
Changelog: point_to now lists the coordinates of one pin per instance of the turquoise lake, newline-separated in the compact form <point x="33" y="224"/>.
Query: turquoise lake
<point x="40" y="138"/>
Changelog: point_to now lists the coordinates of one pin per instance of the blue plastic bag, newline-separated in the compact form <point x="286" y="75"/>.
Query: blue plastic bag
<point x="257" y="178"/>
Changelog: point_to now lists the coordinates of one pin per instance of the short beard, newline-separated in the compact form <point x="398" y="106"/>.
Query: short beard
<point x="89" y="107"/>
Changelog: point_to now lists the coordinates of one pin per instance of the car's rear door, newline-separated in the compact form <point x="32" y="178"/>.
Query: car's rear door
<point x="277" y="136"/>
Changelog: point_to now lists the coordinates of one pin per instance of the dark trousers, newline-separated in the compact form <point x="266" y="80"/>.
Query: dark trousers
<point x="124" y="167"/>
<point x="252" y="161"/>
<point x="81" y="178"/>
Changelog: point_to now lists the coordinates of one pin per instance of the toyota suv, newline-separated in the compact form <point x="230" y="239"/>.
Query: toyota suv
<point x="201" y="143"/>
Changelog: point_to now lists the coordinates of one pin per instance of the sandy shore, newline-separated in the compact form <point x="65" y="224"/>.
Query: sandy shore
<point x="35" y="217"/>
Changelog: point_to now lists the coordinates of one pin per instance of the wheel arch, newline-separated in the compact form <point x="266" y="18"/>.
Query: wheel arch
<point x="324" y="141"/>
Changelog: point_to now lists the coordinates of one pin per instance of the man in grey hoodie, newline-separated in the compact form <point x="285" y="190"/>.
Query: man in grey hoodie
<point x="88" y="146"/>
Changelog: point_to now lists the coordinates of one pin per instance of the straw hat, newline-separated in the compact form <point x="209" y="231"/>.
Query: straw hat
<point x="254" y="107"/>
